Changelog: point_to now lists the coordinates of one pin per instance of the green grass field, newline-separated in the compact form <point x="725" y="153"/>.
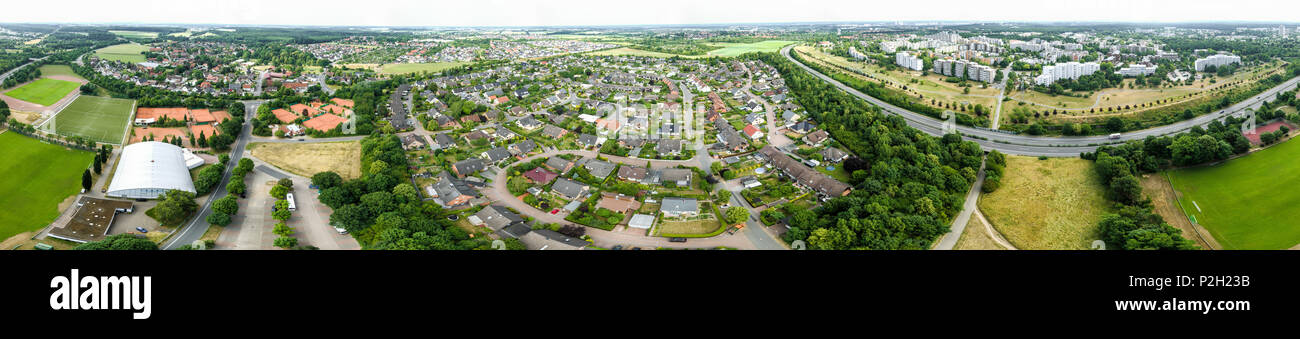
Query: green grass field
<point x="1246" y="203"/>
<point x="98" y="118"/>
<point x="37" y="177"/>
<point x="135" y="34"/>
<point x="735" y="49"/>
<point x="124" y="52"/>
<point x="1052" y="204"/>
<point x="415" y="68"/>
<point x="43" y="91"/>
<point x="65" y="70"/>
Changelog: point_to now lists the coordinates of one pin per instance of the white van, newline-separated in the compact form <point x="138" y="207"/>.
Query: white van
<point x="1114" y="135"/>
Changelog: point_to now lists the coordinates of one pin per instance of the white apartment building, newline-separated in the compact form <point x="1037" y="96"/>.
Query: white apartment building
<point x="853" y="51"/>
<point x="964" y="69"/>
<point x="1069" y="70"/>
<point x="1216" y="61"/>
<point x="1134" y="70"/>
<point x="909" y="61"/>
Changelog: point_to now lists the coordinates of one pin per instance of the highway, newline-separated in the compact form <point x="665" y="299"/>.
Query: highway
<point x="1064" y="146"/>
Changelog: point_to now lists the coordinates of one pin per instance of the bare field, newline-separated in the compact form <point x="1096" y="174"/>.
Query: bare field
<point x="1047" y="204"/>
<point x="306" y="159"/>
<point x="975" y="238"/>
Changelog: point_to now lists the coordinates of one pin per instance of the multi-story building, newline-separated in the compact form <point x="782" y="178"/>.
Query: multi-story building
<point x="908" y="61"/>
<point x="1069" y="70"/>
<point x="1137" y="69"/>
<point x="1216" y="61"/>
<point x="964" y="69"/>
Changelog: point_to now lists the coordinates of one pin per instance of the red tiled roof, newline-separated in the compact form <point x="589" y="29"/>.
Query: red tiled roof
<point x="539" y="175"/>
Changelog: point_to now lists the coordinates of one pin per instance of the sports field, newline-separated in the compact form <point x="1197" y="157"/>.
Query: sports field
<point x="58" y="70"/>
<point x="416" y="68"/>
<point x="1246" y="203"/>
<point x="43" y="91"/>
<point x="735" y="49"/>
<point x="38" y="176"/>
<point x="98" y="118"/>
<point x="124" y="52"/>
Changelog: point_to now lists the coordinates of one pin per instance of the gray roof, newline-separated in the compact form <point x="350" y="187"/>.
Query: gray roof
<point x="449" y="188"/>
<point x="442" y="139"/>
<point x="833" y="154"/>
<point x="568" y="188"/>
<point x="496" y="154"/>
<point x="675" y="174"/>
<point x="587" y="139"/>
<point x="497" y="217"/>
<point x="552" y="240"/>
<point x="557" y="163"/>
<point x="469" y="166"/>
<point x="553" y="131"/>
<point x="523" y="147"/>
<point x="680" y="205"/>
<point x="599" y="169"/>
<point x="669" y="146"/>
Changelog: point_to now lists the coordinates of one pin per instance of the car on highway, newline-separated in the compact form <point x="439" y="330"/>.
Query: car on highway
<point x="1114" y="135"/>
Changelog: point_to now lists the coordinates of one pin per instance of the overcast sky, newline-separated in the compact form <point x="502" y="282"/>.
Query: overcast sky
<point x="618" y="12"/>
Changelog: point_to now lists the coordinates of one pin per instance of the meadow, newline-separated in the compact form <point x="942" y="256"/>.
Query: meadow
<point x="124" y="52"/>
<point x="38" y="177"/>
<point x="417" y="67"/>
<point x="1248" y="202"/>
<point x="1047" y="204"/>
<point x="307" y="159"/>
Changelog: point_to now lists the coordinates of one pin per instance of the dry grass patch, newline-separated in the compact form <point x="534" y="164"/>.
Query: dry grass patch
<point x="306" y="159"/>
<point x="974" y="237"/>
<point x="1047" y="204"/>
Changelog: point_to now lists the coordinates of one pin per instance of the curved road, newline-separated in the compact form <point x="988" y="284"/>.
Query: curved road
<point x="1040" y="145"/>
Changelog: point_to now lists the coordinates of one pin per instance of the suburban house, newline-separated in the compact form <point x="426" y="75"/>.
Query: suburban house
<point x="569" y="189"/>
<point x="599" y="169"/>
<point x="642" y="221"/>
<point x="414" y="142"/>
<point x="495" y="217"/>
<point x="753" y="132"/>
<point x="451" y="192"/>
<point x="523" y="147"/>
<point x="476" y="135"/>
<point x="669" y="146"/>
<point x="468" y="167"/>
<point x="728" y="136"/>
<point x="816" y="138"/>
<point x="679" y="176"/>
<point x="529" y="123"/>
<point x="441" y="140"/>
<point x="632" y="173"/>
<point x="617" y="202"/>
<point x="679" y="207"/>
<point x="832" y="154"/>
<point x="544" y="239"/>
<point x="805" y="176"/>
<point x="558" y="164"/>
<point x="540" y="176"/>
<point x="587" y="140"/>
<point x="554" y="132"/>
<point x="496" y="155"/>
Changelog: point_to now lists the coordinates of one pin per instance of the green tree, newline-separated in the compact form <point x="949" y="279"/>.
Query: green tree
<point x="226" y="205"/>
<point x="326" y="180"/>
<point x="285" y="242"/>
<point x="173" y="208"/>
<point x="282" y="229"/>
<point x="281" y="211"/>
<point x="279" y="192"/>
<point x="219" y="219"/>
<point x="86" y="182"/>
<point x="121" y="242"/>
<point x="736" y="215"/>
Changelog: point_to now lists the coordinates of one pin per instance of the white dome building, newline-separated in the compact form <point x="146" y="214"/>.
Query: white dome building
<point x="149" y="169"/>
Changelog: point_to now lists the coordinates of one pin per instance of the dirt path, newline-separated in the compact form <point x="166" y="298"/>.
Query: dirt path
<point x="1165" y="199"/>
<point x="988" y="228"/>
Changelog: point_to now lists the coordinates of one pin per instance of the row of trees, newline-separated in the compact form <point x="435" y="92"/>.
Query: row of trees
<point x="908" y="185"/>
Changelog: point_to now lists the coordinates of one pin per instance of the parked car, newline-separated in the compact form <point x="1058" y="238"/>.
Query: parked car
<point x="141" y="229"/>
<point x="679" y="239"/>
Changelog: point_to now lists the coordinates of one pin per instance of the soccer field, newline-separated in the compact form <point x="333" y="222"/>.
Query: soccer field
<point x="37" y="177"/>
<point x="1246" y="203"/>
<point x="98" y="118"/>
<point x="43" y="91"/>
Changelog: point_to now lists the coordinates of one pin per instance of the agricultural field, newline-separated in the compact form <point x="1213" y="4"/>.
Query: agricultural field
<point x="100" y="119"/>
<point x="38" y="177"/>
<point x="932" y="86"/>
<point x="1245" y="203"/>
<point x="1047" y="204"/>
<point x="416" y="68"/>
<point x="736" y="49"/>
<point x="634" y="52"/>
<point x="124" y="52"/>
<point x="135" y="34"/>
<point x="307" y="159"/>
<point x="43" y="91"/>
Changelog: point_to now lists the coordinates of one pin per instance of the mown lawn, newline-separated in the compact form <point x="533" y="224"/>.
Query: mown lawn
<point x="37" y="177"/>
<point x="1246" y="203"/>
<point x="43" y="91"/>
